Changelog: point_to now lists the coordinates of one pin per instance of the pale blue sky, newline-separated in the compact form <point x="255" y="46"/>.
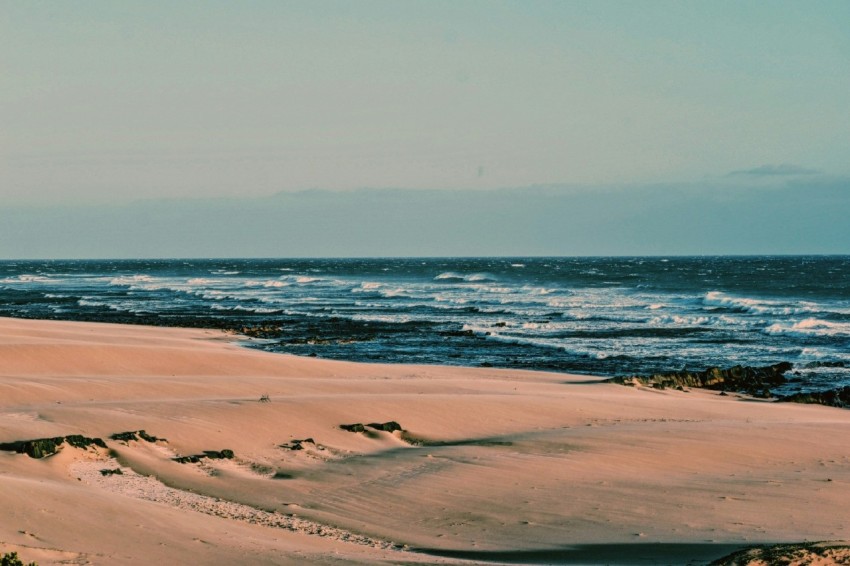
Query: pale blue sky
<point x="117" y="100"/>
<point x="681" y="109"/>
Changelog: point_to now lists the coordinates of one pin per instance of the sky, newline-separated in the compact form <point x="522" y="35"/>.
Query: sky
<point x="119" y="105"/>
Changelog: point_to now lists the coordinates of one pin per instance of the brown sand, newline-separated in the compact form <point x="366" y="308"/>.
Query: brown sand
<point x="511" y="465"/>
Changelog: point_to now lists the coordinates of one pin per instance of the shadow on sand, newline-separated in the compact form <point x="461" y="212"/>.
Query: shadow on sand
<point x="626" y="554"/>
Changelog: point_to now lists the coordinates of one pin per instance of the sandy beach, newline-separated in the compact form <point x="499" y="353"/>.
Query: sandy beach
<point x="491" y="465"/>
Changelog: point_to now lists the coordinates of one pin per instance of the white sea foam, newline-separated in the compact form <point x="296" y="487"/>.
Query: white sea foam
<point x="367" y="286"/>
<point x="757" y="306"/>
<point x="387" y="318"/>
<point x="678" y="320"/>
<point x="469" y="278"/>
<point x="810" y="327"/>
<point x="552" y="343"/>
<point x="820" y="354"/>
<point x="259" y="310"/>
<point x="26" y="278"/>
<point x="127" y="280"/>
<point x="269" y="283"/>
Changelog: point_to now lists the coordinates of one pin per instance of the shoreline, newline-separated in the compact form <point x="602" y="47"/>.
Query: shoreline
<point x="507" y="462"/>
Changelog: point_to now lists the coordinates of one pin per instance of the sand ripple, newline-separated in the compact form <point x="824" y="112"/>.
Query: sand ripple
<point x="131" y="484"/>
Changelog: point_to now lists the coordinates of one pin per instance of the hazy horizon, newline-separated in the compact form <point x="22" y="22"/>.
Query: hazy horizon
<point x="788" y="218"/>
<point x="143" y="128"/>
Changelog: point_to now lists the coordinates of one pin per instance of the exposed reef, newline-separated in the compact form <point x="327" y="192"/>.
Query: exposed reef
<point x="755" y="381"/>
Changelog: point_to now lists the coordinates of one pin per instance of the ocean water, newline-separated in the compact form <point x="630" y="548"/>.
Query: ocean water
<point x="601" y="316"/>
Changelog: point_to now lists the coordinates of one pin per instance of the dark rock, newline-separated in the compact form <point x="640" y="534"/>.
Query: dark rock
<point x="41" y="447"/>
<point x="356" y="427"/>
<point x="390" y="426"/>
<point x="312" y="354"/>
<point x="189" y="459"/>
<point x="217" y="454"/>
<point x="831" y="397"/>
<point x="135" y="435"/>
<point x="296" y="444"/>
<point x="108" y="472"/>
<point x="124" y="436"/>
<point x="458" y="333"/>
<point x="80" y="441"/>
<point x="756" y="381"/>
<point x="262" y="331"/>
<point x="486" y="364"/>
<point x="149" y="438"/>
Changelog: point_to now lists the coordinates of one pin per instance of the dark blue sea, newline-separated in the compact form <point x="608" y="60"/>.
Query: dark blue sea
<point x="601" y="316"/>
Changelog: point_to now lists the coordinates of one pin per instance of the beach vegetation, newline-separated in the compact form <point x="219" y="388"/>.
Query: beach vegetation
<point x="11" y="559"/>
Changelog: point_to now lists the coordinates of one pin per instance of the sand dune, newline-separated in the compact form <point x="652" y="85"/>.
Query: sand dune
<point x="492" y="464"/>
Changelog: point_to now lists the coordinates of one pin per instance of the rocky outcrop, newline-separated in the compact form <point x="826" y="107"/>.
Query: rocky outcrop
<point x="135" y="435"/>
<point x="41" y="447"/>
<point x="225" y="454"/>
<point x="390" y="426"/>
<point x="756" y="381"/>
<point x="832" y="397"/>
<point x="298" y="444"/>
<point x="800" y="553"/>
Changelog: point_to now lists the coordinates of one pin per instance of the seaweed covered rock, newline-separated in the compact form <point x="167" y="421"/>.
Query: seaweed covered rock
<point x="390" y="426"/>
<point x="832" y="397"/>
<point x="356" y="427"/>
<point x="297" y="444"/>
<point x="224" y="454"/>
<point x="135" y="435"/>
<point x="42" y="447"/>
<point x="753" y="380"/>
<point x="80" y="441"/>
<point x="794" y="553"/>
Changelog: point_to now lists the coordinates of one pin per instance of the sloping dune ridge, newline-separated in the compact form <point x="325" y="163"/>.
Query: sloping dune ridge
<point x="490" y="465"/>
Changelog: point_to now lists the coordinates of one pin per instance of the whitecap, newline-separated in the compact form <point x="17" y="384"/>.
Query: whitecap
<point x="810" y="327"/>
<point x="127" y="280"/>
<point x="470" y="278"/>
<point x="756" y="306"/>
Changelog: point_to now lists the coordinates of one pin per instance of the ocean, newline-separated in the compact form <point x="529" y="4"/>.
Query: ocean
<point x="599" y="316"/>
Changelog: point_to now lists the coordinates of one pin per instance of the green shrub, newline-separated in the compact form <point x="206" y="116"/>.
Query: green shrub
<point x="11" y="559"/>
